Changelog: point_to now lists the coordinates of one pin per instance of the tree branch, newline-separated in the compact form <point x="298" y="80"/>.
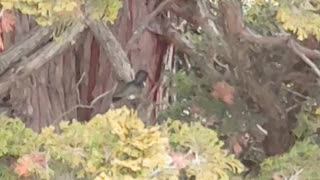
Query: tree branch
<point x="93" y="102"/>
<point x="114" y="51"/>
<point x="298" y="49"/>
<point x="295" y="48"/>
<point x="35" y="39"/>
<point x="41" y="57"/>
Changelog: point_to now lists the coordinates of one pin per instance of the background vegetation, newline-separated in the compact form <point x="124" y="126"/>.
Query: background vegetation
<point x="240" y="79"/>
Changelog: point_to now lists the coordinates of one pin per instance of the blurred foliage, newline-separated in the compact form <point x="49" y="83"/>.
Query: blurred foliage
<point x="308" y="120"/>
<point x="210" y="159"/>
<point x="300" y="17"/>
<point x="299" y="161"/>
<point x="301" y="157"/>
<point x="193" y="100"/>
<point x="11" y="132"/>
<point x="106" y="10"/>
<point x="6" y="172"/>
<point x="195" y="103"/>
<point x="62" y="14"/>
<point x="112" y="145"/>
<point x="261" y="16"/>
<point x="50" y="12"/>
<point x="184" y="85"/>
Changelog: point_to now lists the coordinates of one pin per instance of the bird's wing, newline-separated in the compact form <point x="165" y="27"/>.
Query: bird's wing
<point x="129" y="91"/>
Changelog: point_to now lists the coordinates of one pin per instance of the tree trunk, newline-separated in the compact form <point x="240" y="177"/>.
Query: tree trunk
<point x="83" y="71"/>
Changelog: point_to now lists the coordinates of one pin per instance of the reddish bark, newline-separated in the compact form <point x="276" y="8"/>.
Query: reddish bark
<point x="48" y="93"/>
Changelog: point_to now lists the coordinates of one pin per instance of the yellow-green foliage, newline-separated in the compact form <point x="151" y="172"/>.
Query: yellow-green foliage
<point x="213" y="161"/>
<point x="105" y="9"/>
<point x="261" y="16"/>
<point x="139" y="150"/>
<point x="116" y="145"/>
<point x="303" y="156"/>
<point x="300" y="21"/>
<point x="11" y="141"/>
<point x="298" y="16"/>
<point x="49" y="12"/>
<point x="116" y="142"/>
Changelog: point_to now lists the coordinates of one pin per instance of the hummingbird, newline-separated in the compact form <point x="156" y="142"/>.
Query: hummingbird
<point x="133" y="89"/>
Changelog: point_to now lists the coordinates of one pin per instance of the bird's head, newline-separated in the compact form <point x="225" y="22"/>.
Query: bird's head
<point x="141" y="77"/>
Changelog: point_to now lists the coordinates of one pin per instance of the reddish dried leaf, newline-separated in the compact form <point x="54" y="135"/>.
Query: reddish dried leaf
<point x="239" y="143"/>
<point x="180" y="160"/>
<point x="237" y="149"/>
<point x="21" y="167"/>
<point x="223" y="91"/>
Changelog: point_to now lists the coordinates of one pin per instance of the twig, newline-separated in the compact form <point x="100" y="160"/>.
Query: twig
<point x="301" y="51"/>
<point x="295" y="48"/>
<point x="83" y="105"/>
<point x="140" y="29"/>
<point x="80" y="80"/>
<point x="295" y="93"/>
<point x="78" y="85"/>
<point x="296" y="175"/>
<point x="102" y="95"/>
<point x="292" y="108"/>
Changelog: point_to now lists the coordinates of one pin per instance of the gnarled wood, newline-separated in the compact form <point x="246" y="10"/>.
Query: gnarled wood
<point x="115" y="53"/>
<point x="40" y="57"/>
<point x="33" y="40"/>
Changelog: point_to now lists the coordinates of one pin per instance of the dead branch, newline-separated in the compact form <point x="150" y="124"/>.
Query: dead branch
<point x="41" y="57"/>
<point x="309" y="52"/>
<point x="298" y="49"/>
<point x="90" y="106"/>
<point x="250" y="36"/>
<point x="33" y="40"/>
<point x="114" y="51"/>
<point x="140" y="29"/>
<point x="294" y="47"/>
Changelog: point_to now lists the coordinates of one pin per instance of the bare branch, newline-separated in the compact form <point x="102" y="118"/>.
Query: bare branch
<point x="33" y="40"/>
<point x="102" y="95"/>
<point x="298" y="49"/>
<point x="90" y="106"/>
<point x="78" y="85"/>
<point x="41" y="57"/>
<point x="114" y="51"/>
<point x="250" y="36"/>
<point x="309" y="52"/>
<point x="294" y="47"/>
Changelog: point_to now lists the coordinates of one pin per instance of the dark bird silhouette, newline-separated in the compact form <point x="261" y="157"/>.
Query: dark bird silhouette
<point x="132" y="89"/>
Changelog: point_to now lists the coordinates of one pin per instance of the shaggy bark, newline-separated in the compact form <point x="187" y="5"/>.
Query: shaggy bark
<point x="40" y="57"/>
<point x="33" y="40"/>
